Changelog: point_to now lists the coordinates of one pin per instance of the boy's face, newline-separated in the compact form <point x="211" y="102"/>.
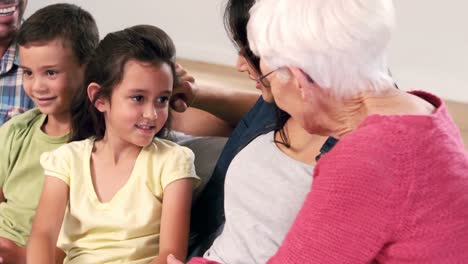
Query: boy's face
<point x="138" y="107"/>
<point x="11" y="12"/>
<point x="51" y="75"/>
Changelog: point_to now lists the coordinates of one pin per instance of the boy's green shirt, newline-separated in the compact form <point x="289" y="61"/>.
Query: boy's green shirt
<point x="21" y="176"/>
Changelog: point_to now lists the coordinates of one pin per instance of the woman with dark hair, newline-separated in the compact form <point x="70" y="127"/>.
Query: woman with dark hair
<point x="267" y="148"/>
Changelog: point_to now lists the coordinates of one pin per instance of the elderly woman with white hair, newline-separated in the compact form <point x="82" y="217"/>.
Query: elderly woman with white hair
<point x="394" y="189"/>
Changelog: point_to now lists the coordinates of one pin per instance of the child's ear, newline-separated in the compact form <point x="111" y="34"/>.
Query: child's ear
<point x="100" y="103"/>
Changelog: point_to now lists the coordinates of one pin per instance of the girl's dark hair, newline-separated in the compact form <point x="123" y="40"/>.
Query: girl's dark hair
<point x="236" y="17"/>
<point x="143" y="43"/>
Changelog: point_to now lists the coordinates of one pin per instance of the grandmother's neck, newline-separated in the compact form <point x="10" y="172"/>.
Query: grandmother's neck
<point x="349" y="112"/>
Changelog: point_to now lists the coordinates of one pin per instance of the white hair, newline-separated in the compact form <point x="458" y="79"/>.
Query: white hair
<point x="340" y="44"/>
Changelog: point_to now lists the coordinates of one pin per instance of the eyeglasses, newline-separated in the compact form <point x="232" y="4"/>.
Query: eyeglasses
<point x="261" y="79"/>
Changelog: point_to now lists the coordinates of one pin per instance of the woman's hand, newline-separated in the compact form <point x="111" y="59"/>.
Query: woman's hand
<point x="184" y="94"/>
<point x="172" y="260"/>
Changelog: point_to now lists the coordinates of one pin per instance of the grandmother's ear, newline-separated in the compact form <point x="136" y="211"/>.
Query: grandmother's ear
<point x="305" y="83"/>
<point x="302" y="77"/>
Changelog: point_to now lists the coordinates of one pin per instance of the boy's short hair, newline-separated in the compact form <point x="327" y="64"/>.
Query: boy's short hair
<point x="68" y="22"/>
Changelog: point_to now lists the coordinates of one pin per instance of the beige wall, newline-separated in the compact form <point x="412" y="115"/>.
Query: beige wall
<point x="430" y="47"/>
<point x="195" y="25"/>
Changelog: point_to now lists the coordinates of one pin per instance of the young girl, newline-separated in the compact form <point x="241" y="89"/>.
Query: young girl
<point x="113" y="178"/>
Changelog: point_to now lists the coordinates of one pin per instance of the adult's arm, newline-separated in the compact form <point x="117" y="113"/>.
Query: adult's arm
<point x="214" y="111"/>
<point x="228" y="104"/>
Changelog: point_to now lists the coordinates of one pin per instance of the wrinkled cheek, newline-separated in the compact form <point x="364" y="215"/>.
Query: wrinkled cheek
<point x="276" y="94"/>
<point x="283" y="101"/>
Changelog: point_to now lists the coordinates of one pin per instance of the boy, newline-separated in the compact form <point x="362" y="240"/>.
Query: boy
<point x="55" y="45"/>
